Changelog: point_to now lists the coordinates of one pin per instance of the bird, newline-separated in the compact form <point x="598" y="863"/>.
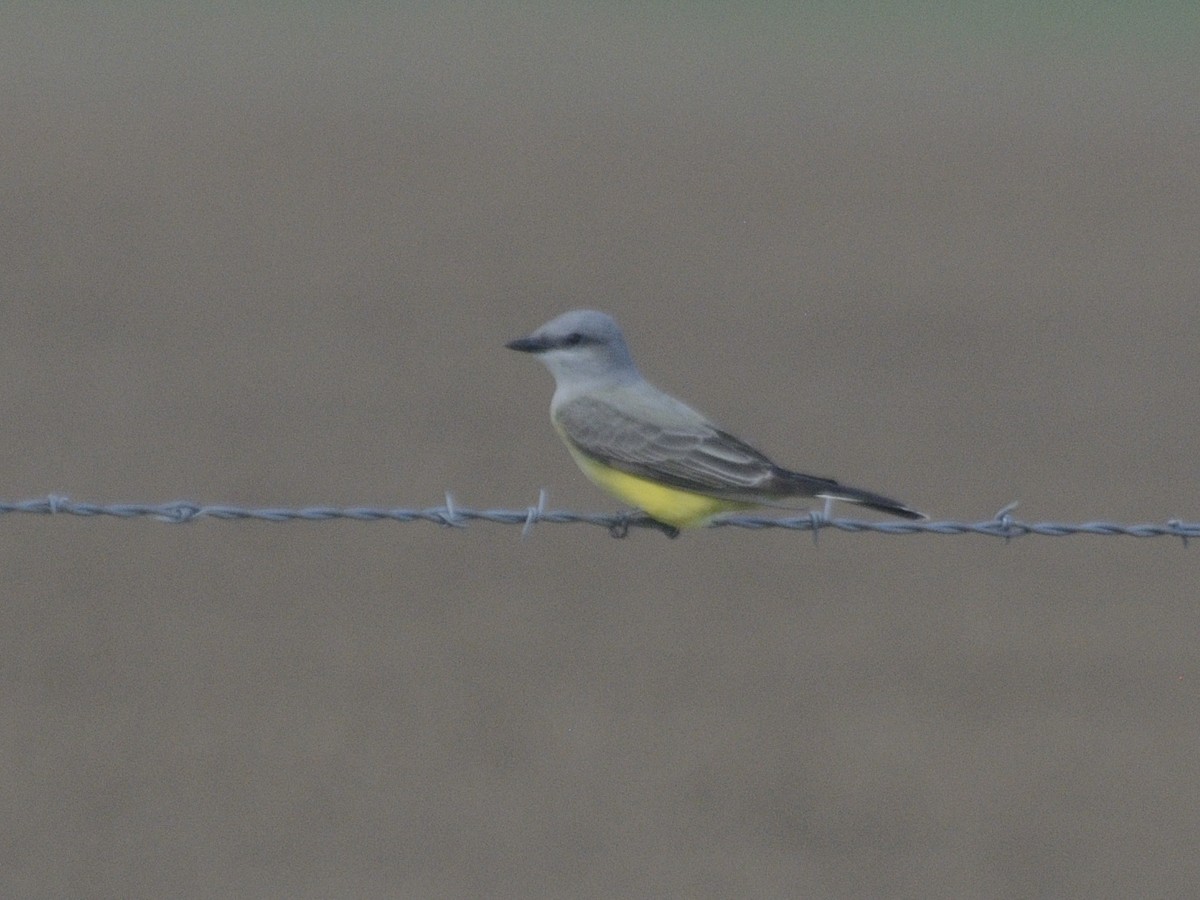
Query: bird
<point x="653" y="451"/>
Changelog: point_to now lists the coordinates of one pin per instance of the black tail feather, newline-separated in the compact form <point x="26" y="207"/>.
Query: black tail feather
<point x="796" y="484"/>
<point x="871" y="501"/>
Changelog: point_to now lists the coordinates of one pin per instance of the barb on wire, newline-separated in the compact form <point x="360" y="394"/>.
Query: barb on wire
<point x="1002" y="524"/>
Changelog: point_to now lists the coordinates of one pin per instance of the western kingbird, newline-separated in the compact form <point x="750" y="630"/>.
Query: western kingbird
<point x="648" y="448"/>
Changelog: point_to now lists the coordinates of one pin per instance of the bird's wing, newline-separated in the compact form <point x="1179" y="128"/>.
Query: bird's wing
<point x="682" y="450"/>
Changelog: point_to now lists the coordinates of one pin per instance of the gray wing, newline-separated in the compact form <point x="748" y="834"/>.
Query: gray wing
<point x="682" y="450"/>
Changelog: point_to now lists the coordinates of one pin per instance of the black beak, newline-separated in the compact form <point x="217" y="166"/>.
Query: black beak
<point x="529" y="345"/>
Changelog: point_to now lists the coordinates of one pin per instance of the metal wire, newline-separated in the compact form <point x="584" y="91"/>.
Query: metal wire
<point x="1001" y="525"/>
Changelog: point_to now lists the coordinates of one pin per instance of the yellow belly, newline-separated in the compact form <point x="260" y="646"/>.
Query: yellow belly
<point x="665" y="504"/>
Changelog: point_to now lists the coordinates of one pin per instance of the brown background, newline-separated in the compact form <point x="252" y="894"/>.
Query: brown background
<point x="271" y="259"/>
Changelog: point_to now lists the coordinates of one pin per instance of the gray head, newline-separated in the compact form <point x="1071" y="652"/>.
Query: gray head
<point x="580" y="346"/>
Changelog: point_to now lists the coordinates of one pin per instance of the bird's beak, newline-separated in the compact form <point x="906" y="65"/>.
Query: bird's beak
<point x="529" y="344"/>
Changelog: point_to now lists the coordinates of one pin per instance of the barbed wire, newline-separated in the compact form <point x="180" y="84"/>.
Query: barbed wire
<point x="1002" y="524"/>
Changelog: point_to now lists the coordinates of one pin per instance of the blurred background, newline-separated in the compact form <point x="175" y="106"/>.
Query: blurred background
<point x="270" y="254"/>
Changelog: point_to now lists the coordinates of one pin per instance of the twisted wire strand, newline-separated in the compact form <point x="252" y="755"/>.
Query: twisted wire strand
<point x="1002" y="524"/>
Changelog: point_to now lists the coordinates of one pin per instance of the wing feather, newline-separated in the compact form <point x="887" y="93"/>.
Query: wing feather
<point x="677" y="446"/>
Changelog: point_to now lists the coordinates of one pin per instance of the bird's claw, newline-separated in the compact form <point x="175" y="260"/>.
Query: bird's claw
<point x="620" y="528"/>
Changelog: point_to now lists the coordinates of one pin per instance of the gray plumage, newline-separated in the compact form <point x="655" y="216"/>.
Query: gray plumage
<point x="611" y="414"/>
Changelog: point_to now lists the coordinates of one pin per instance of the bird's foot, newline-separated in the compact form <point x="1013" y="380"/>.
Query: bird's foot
<point x="637" y="518"/>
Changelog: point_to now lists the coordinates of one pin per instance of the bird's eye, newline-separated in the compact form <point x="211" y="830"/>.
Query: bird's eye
<point x="572" y="339"/>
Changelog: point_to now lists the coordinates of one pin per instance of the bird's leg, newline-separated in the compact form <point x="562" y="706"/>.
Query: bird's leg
<point x="630" y="517"/>
<point x="620" y="528"/>
<point x="669" y="530"/>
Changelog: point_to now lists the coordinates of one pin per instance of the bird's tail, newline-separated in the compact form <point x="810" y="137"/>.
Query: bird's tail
<point x="793" y="484"/>
<point x="870" y="500"/>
